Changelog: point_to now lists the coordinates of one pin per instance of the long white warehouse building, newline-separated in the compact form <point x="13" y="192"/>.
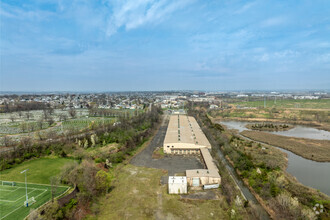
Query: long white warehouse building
<point x="184" y="136"/>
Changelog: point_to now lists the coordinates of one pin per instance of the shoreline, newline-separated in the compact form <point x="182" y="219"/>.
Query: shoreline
<point x="312" y="124"/>
<point x="306" y="149"/>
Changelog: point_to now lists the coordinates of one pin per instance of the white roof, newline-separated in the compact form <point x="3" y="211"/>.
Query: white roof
<point x="177" y="179"/>
<point x="185" y="129"/>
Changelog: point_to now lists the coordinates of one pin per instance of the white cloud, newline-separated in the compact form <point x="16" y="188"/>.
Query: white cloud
<point x="275" y="21"/>
<point x="135" y="13"/>
<point x="21" y="14"/>
<point x="245" y="7"/>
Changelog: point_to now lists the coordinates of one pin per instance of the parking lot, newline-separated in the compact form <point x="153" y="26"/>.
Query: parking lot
<point x="172" y="163"/>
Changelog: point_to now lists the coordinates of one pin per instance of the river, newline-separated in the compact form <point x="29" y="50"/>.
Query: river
<point x="308" y="172"/>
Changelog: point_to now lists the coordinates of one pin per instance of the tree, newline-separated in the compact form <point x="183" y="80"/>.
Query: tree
<point x="46" y="114"/>
<point x="103" y="181"/>
<point x="54" y="182"/>
<point x="12" y="117"/>
<point x="72" y="112"/>
<point x="63" y="117"/>
<point x="50" y="110"/>
<point x="23" y="126"/>
<point x="40" y="123"/>
<point x="26" y="142"/>
<point x="28" y="115"/>
<point x="50" y="121"/>
<point x="7" y="142"/>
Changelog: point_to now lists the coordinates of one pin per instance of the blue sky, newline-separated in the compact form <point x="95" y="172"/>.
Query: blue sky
<point x="120" y="45"/>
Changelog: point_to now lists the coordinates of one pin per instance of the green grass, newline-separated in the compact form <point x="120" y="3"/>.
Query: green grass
<point x="81" y="123"/>
<point x="288" y="103"/>
<point x="40" y="170"/>
<point x="12" y="199"/>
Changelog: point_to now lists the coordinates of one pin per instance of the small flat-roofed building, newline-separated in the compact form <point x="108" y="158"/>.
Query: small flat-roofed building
<point x="184" y="136"/>
<point x="202" y="177"/>
<point x="177" y="185"/>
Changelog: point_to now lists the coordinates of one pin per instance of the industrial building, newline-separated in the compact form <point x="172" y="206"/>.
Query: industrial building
<point x="177" y="185"/>
<point x="184" y="136"/>
<point x="208" y="177"/>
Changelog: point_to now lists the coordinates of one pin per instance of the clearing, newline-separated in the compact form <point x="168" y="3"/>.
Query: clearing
<point x="138" y="194"/>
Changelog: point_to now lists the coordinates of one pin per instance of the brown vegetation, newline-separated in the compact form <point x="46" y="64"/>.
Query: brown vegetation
<point x="317" y="150"/>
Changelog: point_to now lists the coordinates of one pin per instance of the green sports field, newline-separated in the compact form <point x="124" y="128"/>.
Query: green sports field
<point x="12" y="198"/>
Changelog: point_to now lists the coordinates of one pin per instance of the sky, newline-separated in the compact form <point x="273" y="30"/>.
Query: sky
<point x="148" y="45"/>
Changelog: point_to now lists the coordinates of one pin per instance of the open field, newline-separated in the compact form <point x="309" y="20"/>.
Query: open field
<point x="40" y="170"/>
<point x="288" y="103"/>
<point x="138" y="194"/>
<point x="12" y="199"/>
<point x="82" y="123"/>
<point x="317" y="150"/>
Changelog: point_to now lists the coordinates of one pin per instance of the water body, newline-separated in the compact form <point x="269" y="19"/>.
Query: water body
<point x="308" y="172"/>
<point x="298" y="131"/>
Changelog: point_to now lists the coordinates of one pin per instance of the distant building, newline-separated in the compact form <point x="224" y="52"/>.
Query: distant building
<point x="177" y="185"/>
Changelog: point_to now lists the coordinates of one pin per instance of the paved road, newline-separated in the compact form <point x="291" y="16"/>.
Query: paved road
<point x="174" y="163"/>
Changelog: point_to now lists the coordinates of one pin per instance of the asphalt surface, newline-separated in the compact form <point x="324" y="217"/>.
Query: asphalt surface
<point x="172" y="163"/>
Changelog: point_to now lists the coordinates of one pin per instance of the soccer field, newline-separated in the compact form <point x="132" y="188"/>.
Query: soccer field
<point x="12" y="198"/>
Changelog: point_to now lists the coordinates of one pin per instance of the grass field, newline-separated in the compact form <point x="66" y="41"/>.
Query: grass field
<point x="12" y="199"/>
<point x="138" y="194"/>
<point x="288" y="103"/>
<point x="40" y="170"/>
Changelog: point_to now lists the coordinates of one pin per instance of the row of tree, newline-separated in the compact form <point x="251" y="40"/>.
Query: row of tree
<point x="22" y="106"/>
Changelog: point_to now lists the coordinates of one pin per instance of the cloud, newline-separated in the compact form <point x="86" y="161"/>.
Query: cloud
<point x="245" y="7"/>
<point x="13" y="12"/>
<point x="135" y="13"/>
<point x="275" y="21"/>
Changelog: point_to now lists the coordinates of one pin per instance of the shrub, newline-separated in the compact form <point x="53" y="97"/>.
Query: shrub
<point x="98" y="160"/>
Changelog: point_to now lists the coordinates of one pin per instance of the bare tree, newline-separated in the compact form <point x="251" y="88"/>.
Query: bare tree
<point x="63" y="117"/>
<point x="20" y="114"/>
<point x="40" y="123"/>
<point x="7" y="142"/>
<point x="72" y="112"/>
<point x="28" y="115"/>
<point x="46" y="114"/>
<point x="50" y="110"/>
<point x="12" y="117"/>
<point x="23" y="126"/>
<point x="51" y="134"/>
<point x="26" y="142"/>
<point x="54" y="182"/>
<point x="39" y="135"/>
<point x="32" y="127"/>
<point x="50" y="121"/>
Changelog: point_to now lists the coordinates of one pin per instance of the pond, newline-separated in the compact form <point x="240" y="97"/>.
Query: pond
<point x="308" y="172"/>
<point x="298" y="131"/>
